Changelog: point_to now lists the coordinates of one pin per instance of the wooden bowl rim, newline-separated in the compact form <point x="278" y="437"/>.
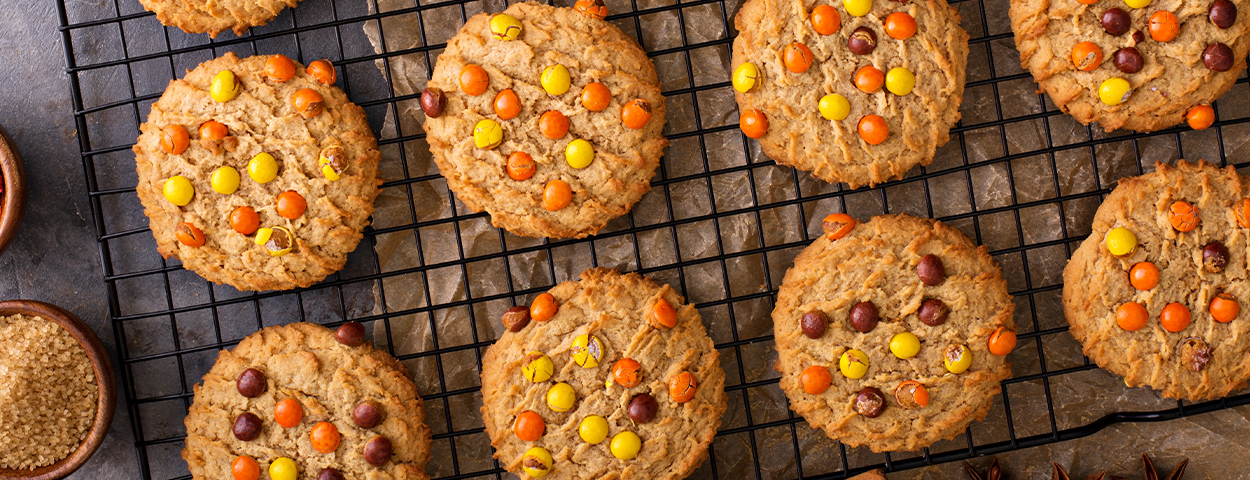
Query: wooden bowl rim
<point x="105" y="402"/>
<point x="13" y="200"/>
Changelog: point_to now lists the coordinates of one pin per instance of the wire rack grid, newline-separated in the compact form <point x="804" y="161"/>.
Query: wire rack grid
<point x="721" y="224"/>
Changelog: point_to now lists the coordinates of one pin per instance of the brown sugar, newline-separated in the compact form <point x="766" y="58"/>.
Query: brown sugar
<point x="48" y="393"/>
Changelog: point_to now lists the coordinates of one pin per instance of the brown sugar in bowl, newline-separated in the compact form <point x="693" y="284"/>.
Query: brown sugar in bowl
<point x="13" y="197"/>
<point x="105" y="400"/>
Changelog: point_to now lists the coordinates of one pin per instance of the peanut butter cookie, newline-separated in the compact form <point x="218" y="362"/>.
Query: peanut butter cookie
<point x="216" y="16"/>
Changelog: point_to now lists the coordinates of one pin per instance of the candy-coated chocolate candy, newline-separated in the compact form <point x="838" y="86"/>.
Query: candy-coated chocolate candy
<point x="505" y="27"/>
<point x="834" y="107"/>
<point x="1086" y="56"/>
<point x="857" y="8"/>
<point x="1223" y="13"/>
<point x="1241" y="210"/>
<point x="900" y="25"/>
<point x="797" y="57"/>
<point x="225" y="180"/>
<point x="367" y="414"/>
<point x="244" y="220"/>
<point x="378" y="450"/>
<point x="870" y="402"/>
<point x="251" y="383"/>
<point x="814" y="324"/>
<point x="642" y="408"/>
<point x="277" y="240"/>
<point x="507" y="106"/>
<point x="596" y="96"/>
<point x="521" y="166"/>
<point x="283" y="469"/>
<point x="487" y="134"/>
<point x="636" y="113"/>
<point x="957" y="358"/>
<point x="1115" y="21"/>
<point x="587" y="350"/>
<point x="538" y="367"/>
<point x="474" y="80"/>
<point x="351" y="334"/>
<point x="815" y="379"/>
<point x="245" y="468"/>
<point x="279" y="68"/>
<point x="1121" y="242"/>
<point x="1164" y="26"/>
<point x="900" y="81"/>
<point x="746" y="77"/>
<point x="826" y="19"/>
<point x="1174" y="317"/>
<point x="178" y="190"/>
<point x="753" y="123"/>
<point x="837" y="225"/>
<point x="224" y="87"/>
<point x="1002" y="341"/>
<point x="579" y="154"/>
<point x="663" y="315"/>
<point x="323" y="71"/>
<point x="627" y="372"/>
<point x="868" y="79"/>
<point x="593" y="429"/>
<point x="1224" y="307"/>
<point x="862" y="41"/>
<point x="1144" y="275"/>
<point x="873" y="129"/>
<point x="537" y="460"/>
<point x="247" y="426"/>
<point x="529" y="426"/>
<point x="592" y="8"/>
<point x="1131" y="316"/>
<point x="1137" y="3"/>
<point x="1114" y="91"/>
<point x="911" y="395"/>
<point x="682" y="387"/>
<point x="325" y="437"/>
<point x="555" y="79"/>
<point x="213" y="130"/>
<point x="553" y="124"/>
<point x="853" y="364"/>
<point x="291" y="205"/>
<point x="543" y="307"/>
<point x="288" y="412"/>
<point x="175" y="139"/>
<point x="625" y="445"/>
<point x="307" y="102"/>
<point x="1200" y="117"/>
<point x="561" y="397"/>
<point x="1183" y="216"/>
<point x="262" y="168"/>
<point x="433" y="101"/>
<point x="1218" y="57"/>
<point x="332" y="161"/>
<point x="189" y="234"/>
<point x="904" y="345"/>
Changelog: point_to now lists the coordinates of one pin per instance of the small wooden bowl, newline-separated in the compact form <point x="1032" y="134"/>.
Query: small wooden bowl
<point x="104" y="380"/>
<point x="13" y="200"/>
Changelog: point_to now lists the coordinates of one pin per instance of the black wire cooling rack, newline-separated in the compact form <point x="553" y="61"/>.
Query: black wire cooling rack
<point x="1018" y="176"/>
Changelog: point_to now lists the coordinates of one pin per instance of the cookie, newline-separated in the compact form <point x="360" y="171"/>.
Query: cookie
<point x="1139" y="65"/>
<point x="610" y="375"/>
<point x="851" y="91"/>
<point x="547" y="118"/>
<point x="294" y="398"/>
<point x="268" y="188"/>
<point x="893" y="334"/>
<point x="216" y="16"/>
<point x="1154" y="293"/>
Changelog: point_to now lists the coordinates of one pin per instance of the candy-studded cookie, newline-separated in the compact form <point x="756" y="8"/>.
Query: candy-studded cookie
<point x="257" y="172"/>
<point x="216" y="16"/>
<point x="892" y="334"/>
<point x="1138" y="64"/>
<point x="610" y="375"/>
<point x="1154" y="294"/>
<point x="854" y="91"/>
<point x="548" y="118"/>
<point x="303" y="402"/>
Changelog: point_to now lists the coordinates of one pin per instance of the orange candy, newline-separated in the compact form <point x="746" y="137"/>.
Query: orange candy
<point x="1241" y="210"/>
<point x="1002" y="341"/>
<point x="279" y="68"/>
<point x="825" y="20"/>
<point x="1086" y="56"/>
<point x="245" y="468"/>
<point x="636" y="113"/>
<point x="244" y="220"/>
<point x="1224" y="307"/>
<point x="474" y="80"/>
<point x="507" y="105"/>
<point x="900" y="25"/>
<point x="1164" y="26"/>
<point x="1144" y="276"/>
<point x="1200" y="117"/>
<point x="1174" y="317"/>
<point x="288" y="413"/>
<point x="1183" y="216"/>
<point x="592" y="8"/>
<point x="682" y="387"/>
<point x="557" y="195"/>
<point x="663" y="314"/>
<point x="798" y="58"/>
<point x="529" y="426"/>
<point x="920" y="395"/>
<point x="291" y="205"/>
<point x="626" y="372"/>
<point x="869" y="79"/>
<point x="190" y="235"/>
<point x="521" y="166"/>
<point x="174" y="139"/>
<point x="1088" y="2"/>
<point x="1131" y="316"/>
<point x="815" y="379"/>
<point x="325" y="437"/>
<point x="323" y="71"/>
<point x="544" y="307"/>
<point x="840" y="223"/>
<point x="596" y="97"/>
<point x="872" y="129"/>
<point x="307" y="102"/>
<point x="753" y="123"/>
<point x="553" y="124"/>
<point x="213" y="130"/>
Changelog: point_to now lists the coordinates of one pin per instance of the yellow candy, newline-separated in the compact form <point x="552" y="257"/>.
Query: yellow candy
<point x="538" y="367"/>
<point x="854" y="364"/>
<point x="625" y="445"/>
<point x="958" y="358"/>
<point x="579" y="153"/>
<point x="556" y="80"/>
<point x="331" y="161"/>
<point x="857" y="8"/>
<point x="505" y="27"/>
<point x="225" y="180"/>
<point x="1114" y="91"/>
<point x="262" y="168"/>
<point x="1137" y="3"/>
<point x="587" y="350"/>
<point x="834" y="107"/>
<point x="905" y="345"/>
<point x="561" y="397"/>
<point x="278" y="240"/>
<point x="1121" y="242"/>
<point x="487" y="134"/>
<point x="224" y="87"/>
<point x="178" y="190"/>
<point x="900" y="81"/>
<point x="263" y="235"/>
<point x="543" y="458"/>
<point x="594" y="429"/>
<point x="283" y="469"/>
<point x="746" y="77"/>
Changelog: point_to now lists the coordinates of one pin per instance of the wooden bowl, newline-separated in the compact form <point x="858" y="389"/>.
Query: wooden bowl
<point x="13" y="200"/>
<point x="104" y="380"/>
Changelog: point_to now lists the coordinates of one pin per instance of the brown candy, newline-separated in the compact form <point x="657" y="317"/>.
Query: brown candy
<point x="1194" y="353"/>
<point x="1138" y="36"/>
<point x="930" y="270"/>
<point x="1223" y="13"/>
<point x="1214" y="257"/>
<point x="247" y="426"/>
<point x="1116" y="21"/>
<point x="251" y="383"/>
<point x="642" y="408"/>
<point x="864" y="317"/>
<point x="933" y="312"/>
<point x="1129" y="60"/>
<point x="367" y="415"/>
<point x="813" y="324"/>
<point x="869" y="402"/>
<point x="330" y="474"/>
<point x="862" y="41"/>
<point x="516" y="318"/>
<point x="1218" y="57"/>
<point x="433" y="102"/>
<point x="351" y="334"/>
<point x="378" y="451"/>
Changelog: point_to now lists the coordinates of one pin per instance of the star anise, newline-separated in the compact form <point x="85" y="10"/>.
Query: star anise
<point x="1152" y="474"/>
<point x="994" y="473"/>
<point x="1059" y="474"/>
